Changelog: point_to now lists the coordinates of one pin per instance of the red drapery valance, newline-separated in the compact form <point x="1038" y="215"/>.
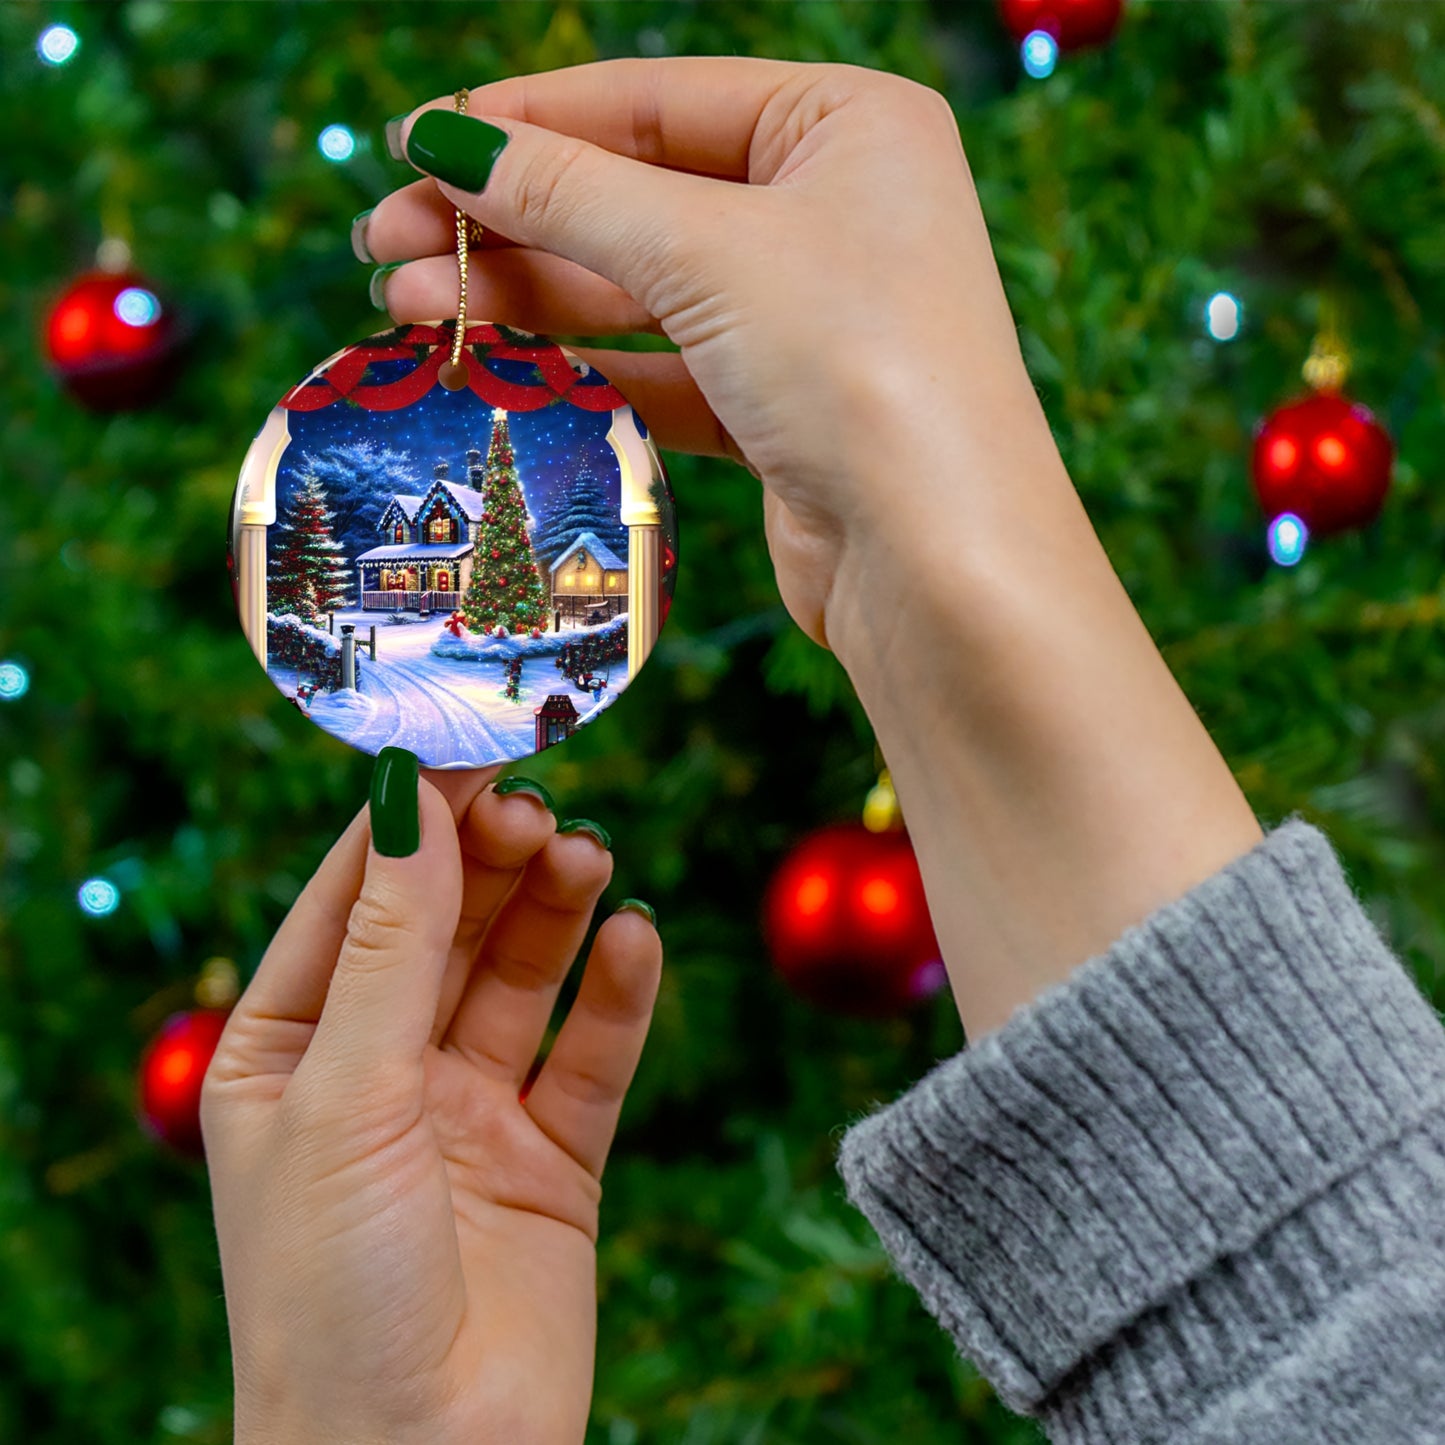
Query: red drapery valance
<point x="343" y="378"/>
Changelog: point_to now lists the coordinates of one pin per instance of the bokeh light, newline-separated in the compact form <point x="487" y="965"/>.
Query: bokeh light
<point x="1223" y="316"/>
<point x="98" y="897"/>
<point x="1288" y="537"/>
<point x="137" y="307"/>
<point x="14" y="681"/>
<point x="336" y="143"/>
<point x="57" y="44"/>
<point x="1040" y="53"/>
<point x="812" y="895"/>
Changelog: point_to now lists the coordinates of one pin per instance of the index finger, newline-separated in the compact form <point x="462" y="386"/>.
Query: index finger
<point x="694" y="113"/>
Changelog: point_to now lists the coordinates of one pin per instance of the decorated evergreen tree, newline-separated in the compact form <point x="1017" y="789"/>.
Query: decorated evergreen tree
<point x="581" y="505"/>
<point x="308" y="570"/>
<point x="506" y="588"/>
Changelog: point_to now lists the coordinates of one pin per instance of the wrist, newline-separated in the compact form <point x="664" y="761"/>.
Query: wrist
<point x="1057" y="784"/>
<point x="957" y="481"/>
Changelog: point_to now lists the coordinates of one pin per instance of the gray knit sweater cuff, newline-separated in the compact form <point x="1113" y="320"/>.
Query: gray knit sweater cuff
<point x="1167" y="1159"/>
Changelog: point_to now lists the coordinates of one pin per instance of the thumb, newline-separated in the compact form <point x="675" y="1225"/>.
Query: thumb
<point x="636" y="224"/>
<point x="382" y="999"/>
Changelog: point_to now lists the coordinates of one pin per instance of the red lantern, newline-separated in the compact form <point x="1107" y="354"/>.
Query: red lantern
<point x="1072" y="23"/>
<point x="847" y="923"/>
<point x="1324" y="458"/>
<point x="171" y="1072"/>
<point x="111" y="341"/>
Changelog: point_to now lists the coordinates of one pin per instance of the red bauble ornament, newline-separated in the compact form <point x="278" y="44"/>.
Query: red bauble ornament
<point x="1073" y="23"/>
<point x="847" y="923"/>
<point x="666" y="582"/>
<point x="1324" y="458"/>
<point x="111" y="341"/>
<point x="171" y="1071"/>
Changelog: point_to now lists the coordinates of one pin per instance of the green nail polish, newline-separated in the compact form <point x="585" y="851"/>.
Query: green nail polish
<point x="455" y="148"/>
<point x="586" y="825"/>
<point x="636" y="905"/>
<point x="529" y="786"/>
<point x="393" y="137"/>
<point x="377" y="289"/>
<point x="359" y="247"/>
<point x="395" y="808"/>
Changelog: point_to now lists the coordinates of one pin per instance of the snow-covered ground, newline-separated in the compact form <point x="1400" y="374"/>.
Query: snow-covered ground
<point x="451" y="713"/>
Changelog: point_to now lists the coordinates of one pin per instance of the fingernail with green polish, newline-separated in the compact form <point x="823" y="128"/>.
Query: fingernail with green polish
<point x="455" y="148"/>
<point x="395" y="808"/>
<point x="393" y="137"/>
<point x="636" y="905"/>
<point x="377" y="289"/>
<point x="586" y="825"/>
<point x="358" y="238"/>
<point x="529" y="786"/>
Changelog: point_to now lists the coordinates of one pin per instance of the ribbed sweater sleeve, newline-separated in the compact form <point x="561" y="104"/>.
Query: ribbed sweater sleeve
<point x="1196" y="1192"/>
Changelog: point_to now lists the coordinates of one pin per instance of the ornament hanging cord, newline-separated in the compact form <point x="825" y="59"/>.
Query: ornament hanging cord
<point x="453" y="375"/>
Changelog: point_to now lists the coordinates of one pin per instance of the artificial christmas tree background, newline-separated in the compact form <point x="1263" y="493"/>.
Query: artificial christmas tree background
<point x="1276" y="151"/>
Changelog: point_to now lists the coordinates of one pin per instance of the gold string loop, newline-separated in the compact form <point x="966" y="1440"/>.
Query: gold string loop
<point x="453" y="375"/>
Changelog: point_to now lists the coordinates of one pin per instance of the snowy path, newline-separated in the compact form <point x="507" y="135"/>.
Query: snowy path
<point x="421" y="706"/>
<point x="449" y="713"/>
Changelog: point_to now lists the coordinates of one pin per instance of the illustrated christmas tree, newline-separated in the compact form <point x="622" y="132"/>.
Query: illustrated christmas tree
<point x="582" y="505"/>
<point x="308" y="572"/>
<point x="506" y="588"/>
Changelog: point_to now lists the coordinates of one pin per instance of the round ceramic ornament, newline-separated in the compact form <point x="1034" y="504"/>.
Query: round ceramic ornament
<point x="466" y="550"/>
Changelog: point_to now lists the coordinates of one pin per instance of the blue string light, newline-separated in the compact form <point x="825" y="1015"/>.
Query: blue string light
<point x="98" y="897"/>
<point x="1040" y="53"/>
<point x="336" y="143"/>
<point x="14" y="681"/>
<point x="57" y="44"/>
<point x="1288" y="537"/>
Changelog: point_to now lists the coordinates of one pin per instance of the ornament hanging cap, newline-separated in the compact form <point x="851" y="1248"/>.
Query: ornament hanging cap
<point x="880" y="809"/>
<point x="218" y="985"/>
<point x="1328" y="364"/>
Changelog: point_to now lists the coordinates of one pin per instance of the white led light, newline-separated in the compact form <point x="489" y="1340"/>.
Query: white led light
<point x="1223" y="316"/>
<point x="137" y="307"/>
<point x="1287" y="538"/>
<point x="14" y="681"/>
<point x="337" y="143"/>
<point x="57" y="44"/>
<point x="1040" y="53"/>
<point x="98" y="897"/>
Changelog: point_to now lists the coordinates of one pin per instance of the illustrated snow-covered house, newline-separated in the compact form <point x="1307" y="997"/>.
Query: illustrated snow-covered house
<point x="253" y="513"/>
<point x="589" y="581"/>
<point x="425" y="559"/>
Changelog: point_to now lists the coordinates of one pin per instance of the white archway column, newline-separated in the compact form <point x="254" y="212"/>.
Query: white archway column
<point x="640" y="467"/>
<point x="255" y="513"/>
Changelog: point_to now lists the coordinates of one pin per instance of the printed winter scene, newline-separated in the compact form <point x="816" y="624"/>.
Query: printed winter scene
<point x="449" y="577"/>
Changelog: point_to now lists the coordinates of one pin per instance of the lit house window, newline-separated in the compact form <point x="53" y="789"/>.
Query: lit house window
<point x="441" y="528"/>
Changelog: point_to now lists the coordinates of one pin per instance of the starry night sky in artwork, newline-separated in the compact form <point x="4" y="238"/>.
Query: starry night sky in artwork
<point x="548" y="443"/>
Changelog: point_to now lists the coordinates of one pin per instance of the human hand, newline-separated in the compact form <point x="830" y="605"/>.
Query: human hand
<point x="407" y="1246"/>
<point x="810" y="237"/>
<point x="842" y="300"/>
